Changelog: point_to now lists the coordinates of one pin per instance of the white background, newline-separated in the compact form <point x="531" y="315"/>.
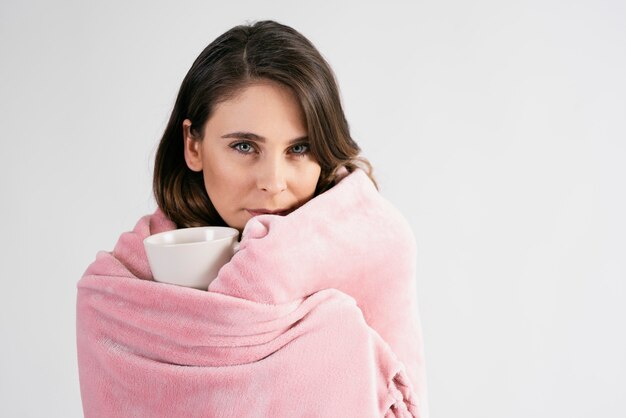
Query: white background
<point x="496" y="127"/>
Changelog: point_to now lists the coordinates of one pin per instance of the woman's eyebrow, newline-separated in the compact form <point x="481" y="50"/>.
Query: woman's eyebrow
<point x="244" y="135"/>
<point x="304" y="138"/>
<point x="254" y="137"/>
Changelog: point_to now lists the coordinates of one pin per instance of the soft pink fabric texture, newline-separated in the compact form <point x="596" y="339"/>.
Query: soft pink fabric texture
<point x="315" y="316"/>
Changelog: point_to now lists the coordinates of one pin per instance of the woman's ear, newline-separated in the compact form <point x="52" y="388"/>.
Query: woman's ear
<point x="193" y="148"/>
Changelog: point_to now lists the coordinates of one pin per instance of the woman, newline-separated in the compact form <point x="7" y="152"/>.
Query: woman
<point x="316" y="314"/>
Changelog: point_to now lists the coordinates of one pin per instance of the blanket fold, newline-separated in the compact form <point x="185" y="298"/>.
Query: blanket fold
<point x="316" y="315"/>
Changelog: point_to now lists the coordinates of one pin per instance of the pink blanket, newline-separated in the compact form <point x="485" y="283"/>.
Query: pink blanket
<point x="315" y="316"/>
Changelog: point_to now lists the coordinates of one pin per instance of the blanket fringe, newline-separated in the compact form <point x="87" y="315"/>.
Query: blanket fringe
<point x="404" y="403"/>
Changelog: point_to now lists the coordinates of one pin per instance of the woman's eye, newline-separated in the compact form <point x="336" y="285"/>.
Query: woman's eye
<point x="300" y="149"/>
<point x="243" y="147"/>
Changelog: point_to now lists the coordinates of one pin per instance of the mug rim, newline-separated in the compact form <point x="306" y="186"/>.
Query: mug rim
<point x="150" y="240"/>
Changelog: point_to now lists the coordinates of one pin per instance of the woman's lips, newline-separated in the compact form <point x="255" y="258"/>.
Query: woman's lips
<point x="279" y="212"/>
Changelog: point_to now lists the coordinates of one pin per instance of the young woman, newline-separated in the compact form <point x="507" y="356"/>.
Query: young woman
<point x="316" y="315"/>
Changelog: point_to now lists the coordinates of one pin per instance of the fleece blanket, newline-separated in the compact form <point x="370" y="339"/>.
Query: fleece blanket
<point x="314" y="316"/>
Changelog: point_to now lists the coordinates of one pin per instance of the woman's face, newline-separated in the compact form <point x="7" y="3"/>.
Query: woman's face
<point x="254" y="155"/>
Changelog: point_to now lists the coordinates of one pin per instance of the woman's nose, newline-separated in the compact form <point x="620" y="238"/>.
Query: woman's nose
<point x="272" y="176"/>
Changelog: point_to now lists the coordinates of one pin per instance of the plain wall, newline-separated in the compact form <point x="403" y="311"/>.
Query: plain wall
<point x="497" y="128"/>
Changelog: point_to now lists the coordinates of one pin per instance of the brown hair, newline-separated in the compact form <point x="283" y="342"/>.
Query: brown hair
<point x="242" y="55"/>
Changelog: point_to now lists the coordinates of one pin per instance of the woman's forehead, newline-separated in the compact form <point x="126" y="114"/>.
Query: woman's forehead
<point x="265" y="110"/>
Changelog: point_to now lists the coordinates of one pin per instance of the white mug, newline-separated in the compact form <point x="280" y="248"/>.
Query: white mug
<point x="190" y="257"/>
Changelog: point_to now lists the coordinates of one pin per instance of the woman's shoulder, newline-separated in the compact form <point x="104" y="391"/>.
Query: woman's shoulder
<point x="128" y="255"/>
<point x="146" y="225"/>
<point x="360" y="194"/>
